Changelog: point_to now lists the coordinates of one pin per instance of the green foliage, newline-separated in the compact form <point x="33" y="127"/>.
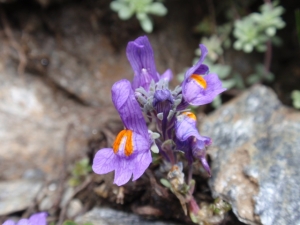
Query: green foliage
<point x="79" y="171"/>
<point x="220" y="207"/>
<point x="254" y="30"/>
<point x="165" y="182"/>
<point x="296" y="98"/>
<point x="141" y="8"/>
<point x="69" y="222"/>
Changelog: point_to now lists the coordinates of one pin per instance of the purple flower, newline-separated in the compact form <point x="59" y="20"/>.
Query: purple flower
<point x="141" y="57"/>
<point x="198" y="151"/>
<point x="199" y="88"/>
<point x="167" y="76"/>
<point x="185" y="127"/>
<point x="35" y="219"/>
<point x="130" y="154"/>
<point x="189" y="140"/>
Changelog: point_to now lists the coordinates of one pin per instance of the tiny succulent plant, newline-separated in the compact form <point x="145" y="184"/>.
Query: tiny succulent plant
<point x="254" y="30"/>
<point x="141" y="8"/>
<point x="296" y="98"/>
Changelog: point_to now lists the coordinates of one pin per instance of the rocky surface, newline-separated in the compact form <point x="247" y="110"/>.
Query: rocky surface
<point x="255" y="157"/>
<point x="17" y="195"/>
<point x="106" y="216"/>
<point x="41" y="129"/>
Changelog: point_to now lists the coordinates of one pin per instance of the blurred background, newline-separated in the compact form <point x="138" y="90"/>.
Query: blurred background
<point x="58" y="61"/>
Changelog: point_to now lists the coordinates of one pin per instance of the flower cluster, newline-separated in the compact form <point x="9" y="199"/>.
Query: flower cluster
<point x="149" y="95"/>
<point x="35" y="219"/>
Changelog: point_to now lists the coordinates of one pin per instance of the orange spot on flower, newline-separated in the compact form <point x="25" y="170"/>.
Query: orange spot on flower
<point x="190" y="115"/>
<point x="124" y="136"/>
<point x="200" y="80"/>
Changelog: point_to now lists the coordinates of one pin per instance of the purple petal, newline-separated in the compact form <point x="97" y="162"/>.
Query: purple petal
<point x="201" y="70"/>
<point x="24" y="222"/>
<point x="141" y="57"/>
<point x="140" y="143"/>
<point x="128" y="108"/>
<point x="124" y="165"/>
<point x="141" y="162"/>
<point x="167" y="75"/>
<point x="205" y="165"/>
<point x="185" y="128"/>
<point x="198" y="149"/>
<point x="186" y="147"/>
<point x="194" y="94"/>
<point x="123" y="171"/>
<point x="142" y="80"/>
<point x="104" y="161"/>
<point x="197" y="66"/>
<point x="38" y="219"/>
<point x="161" y="96"/>
<point x="9" y="222"/>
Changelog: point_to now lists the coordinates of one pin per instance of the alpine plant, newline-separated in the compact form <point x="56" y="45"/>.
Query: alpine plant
<point x="148" y="97"/>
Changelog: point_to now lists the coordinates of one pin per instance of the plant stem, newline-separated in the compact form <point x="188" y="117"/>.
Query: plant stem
<point x="268" y="58"/>
<point x="190" y="173"/>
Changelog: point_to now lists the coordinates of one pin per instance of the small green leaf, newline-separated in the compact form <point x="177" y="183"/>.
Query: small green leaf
<point x="229" y="83"/>
<point x="253" y="78"/>
<point x="165" y="182"/>
<point x="117" y="6"/>
<point x="125" y="13"/>
<point x="193" y="217"/>
<point x="157" y="9"/>
<point x="146" y="24"/>
<point x="296" y="98"/>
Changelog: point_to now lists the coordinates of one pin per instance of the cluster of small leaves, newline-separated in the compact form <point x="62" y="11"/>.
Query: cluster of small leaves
<point x="79" y="171"/>
<point x="69" y="222"/>
<point x="296" y="99"/>
<point x="141" y="8"/>
<point x="254" y="30"/>
<point x="213" y="213"/>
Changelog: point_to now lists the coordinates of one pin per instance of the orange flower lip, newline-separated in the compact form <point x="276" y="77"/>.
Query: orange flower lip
<point x="200" y="80"/>
<point x="190" y="115"/>
<point x="124" y="136"/>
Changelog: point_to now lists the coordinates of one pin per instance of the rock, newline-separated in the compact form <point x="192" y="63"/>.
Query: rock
<point x="42" y="129"/>
<point x="106" y="216"/>
<point x="17" y="195"/>
<point x="255" y="157"/>
<point x="74" y="208"/>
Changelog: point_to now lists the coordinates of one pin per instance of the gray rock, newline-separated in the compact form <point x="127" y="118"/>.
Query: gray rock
<point x="74" y="208"/>
<point x="255" y="157"/>
<point x="17" y="195"/>
<point x="106" y="216"/>
<point x="35" y="121"/>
